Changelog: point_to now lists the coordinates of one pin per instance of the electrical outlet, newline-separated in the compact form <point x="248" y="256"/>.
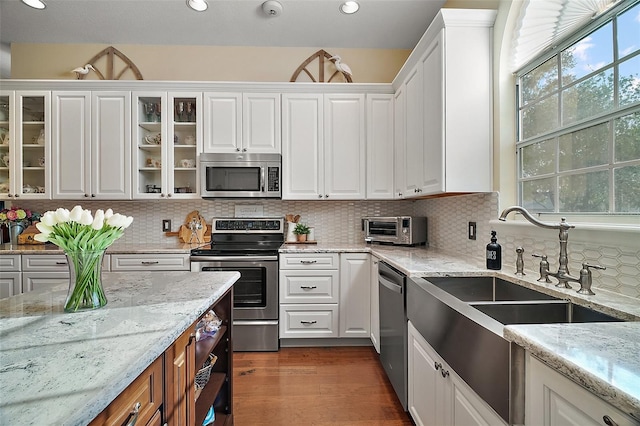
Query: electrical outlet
<point x="166" y="225"/>
<point x="472" y="230"/>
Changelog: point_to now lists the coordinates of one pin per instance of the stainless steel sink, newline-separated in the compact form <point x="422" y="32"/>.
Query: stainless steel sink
<point x="541" y="312"/>
<point x="477" y="289"/>
<point x="463" y="319"/>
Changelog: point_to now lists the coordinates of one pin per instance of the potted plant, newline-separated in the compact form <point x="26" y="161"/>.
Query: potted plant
<point x="301" y="230"/>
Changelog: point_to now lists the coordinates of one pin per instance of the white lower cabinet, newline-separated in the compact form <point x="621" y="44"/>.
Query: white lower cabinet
<point x="41" y="271"/>
<point x="437" y="395"/>
<point x="150" y="262"/>
<point x="10" y="275"/>
<point x="324" y="295"/>
<point x="552" y="399"/>
<point x="375" y="304"/>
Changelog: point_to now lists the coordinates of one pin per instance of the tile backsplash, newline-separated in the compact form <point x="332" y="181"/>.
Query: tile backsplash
<point x="340" y="222"/>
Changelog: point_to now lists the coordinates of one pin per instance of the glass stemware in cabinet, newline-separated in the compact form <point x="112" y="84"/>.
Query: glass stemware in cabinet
<point x="4" y="145"/>
<point x="33" y="145"/>
<point x="149" y="145"/>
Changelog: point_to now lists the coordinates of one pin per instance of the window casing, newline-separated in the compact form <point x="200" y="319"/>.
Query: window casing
<point x="579" y="121"/>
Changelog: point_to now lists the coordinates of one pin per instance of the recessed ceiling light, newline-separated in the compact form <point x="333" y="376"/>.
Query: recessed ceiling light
<point x="349" y="7"/>
<point x="36" y="4"/>
<point x="198" y="5"/>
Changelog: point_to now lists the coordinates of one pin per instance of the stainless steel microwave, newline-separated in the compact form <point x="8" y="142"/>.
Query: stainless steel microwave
<point x="397" y="230"/>
<point x="240" y="175"/>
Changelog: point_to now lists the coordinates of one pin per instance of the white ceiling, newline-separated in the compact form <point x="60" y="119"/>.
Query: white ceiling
<point x="382" y="24"/>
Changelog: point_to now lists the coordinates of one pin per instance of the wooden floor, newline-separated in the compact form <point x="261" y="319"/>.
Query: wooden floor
<point x="314" y="387"/>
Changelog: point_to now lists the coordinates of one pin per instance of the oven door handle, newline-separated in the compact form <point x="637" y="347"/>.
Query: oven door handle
<point x="230" y="258"/>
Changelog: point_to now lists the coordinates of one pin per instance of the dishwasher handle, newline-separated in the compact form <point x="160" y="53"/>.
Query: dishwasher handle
<point x="390" y="285"/>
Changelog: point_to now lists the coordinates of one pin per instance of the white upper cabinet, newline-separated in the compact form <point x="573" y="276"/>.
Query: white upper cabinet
<point x="380" y="147"/>
<point x="323" y="144"/>
<point x="448" y="115"/>
<point x="91" y="145"/>
<point x="399" y="142"/>
<point x="241" y="122"/>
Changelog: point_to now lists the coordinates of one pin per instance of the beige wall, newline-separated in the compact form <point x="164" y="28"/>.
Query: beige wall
<point x="202" y="63"/>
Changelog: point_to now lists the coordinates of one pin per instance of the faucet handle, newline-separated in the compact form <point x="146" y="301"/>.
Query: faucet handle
<point x="544" y="268"/>
<point x="586" y="278"/>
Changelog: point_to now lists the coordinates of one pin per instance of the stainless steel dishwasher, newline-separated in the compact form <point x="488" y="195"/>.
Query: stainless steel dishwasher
<point x="393" y="328"/>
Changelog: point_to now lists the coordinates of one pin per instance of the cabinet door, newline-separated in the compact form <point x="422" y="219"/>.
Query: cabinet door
<point x="414" y="146"/>
<point x="180" y="374"/>
<point x="432" y="63"/>
<point x="468" y="408"/>
<point x="222" y="122"/>
<point x="375" y="304"/>
<point x="344" y="147"/>
<point x="33" y="148"/>
<point x="111" y="145"/>
<point x="10" y="284"/>
<point x="183" y="144"/>
<point x="355" y="294"/>
<point x="429" y="398"/>
<point x="7" y="143"/>
<point x="399" y="142"/>
<point x="302" y="144"/>
<point x="380" y="147"/>
<point x="552" y="399"/>
<point x="261" y="130"/>
<point x="71" y="131"/>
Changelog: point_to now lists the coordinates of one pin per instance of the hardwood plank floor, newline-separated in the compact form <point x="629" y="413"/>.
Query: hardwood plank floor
<point x="314" y="387"/>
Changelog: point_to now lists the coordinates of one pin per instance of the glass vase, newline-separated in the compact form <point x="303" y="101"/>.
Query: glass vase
<point x="85" y="281"/>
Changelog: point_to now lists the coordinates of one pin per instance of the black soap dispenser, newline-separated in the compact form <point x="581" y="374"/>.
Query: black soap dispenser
<point x="494" y="253"/>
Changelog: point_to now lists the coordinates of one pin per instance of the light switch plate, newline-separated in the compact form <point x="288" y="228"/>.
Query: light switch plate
<point x="166" y="225"/>
<point x="472" y="230"/>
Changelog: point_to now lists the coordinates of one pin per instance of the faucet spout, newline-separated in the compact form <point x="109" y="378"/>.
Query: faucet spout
<point x="559" y="226"/>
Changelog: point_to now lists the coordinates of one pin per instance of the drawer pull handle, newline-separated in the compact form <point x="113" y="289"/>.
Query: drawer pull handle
<point x="133" y="416"/>
<point x="609" y="421"/>
<point x="149" y="262"/>
<point x="308" y="287"/>
<point x="61" y="263"/>
<point x="308" y="322"/>
<point x="308" y="262"/>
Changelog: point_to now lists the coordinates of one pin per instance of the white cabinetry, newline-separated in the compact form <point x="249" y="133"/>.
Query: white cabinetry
<point x="150" y="262"/>
<point x="167" y="138"/>
<point x="437" y="395"/>
<point x="309" y="295"/>
<point x="40" y="271"/>
<point x="447" y="131"/>
<point x="380" y="147"/>
<point x="355" y="294"/>
<point x="323" y="146"/>
<point x="375" y="304"/>
<point x="91" y="141"/>
<point x="552" y="399"/>
<point x="242" y="122"/>
<point x="10" y="275"/>
<point x="399" y="136"/>
<point x="25" y="147"/>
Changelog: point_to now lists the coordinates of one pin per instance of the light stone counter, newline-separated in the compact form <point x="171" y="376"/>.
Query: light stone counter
<point x="61" y="368"/>
<point x="119" y="248"/>
<point x="604" y="358"/>
<point x="601" y="357"/>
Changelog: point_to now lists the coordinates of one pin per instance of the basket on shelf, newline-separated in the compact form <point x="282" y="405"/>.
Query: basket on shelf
<point x="202" y="376"/>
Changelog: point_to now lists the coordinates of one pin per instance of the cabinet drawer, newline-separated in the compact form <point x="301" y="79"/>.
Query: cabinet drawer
<point x="146" y="390"/>
<point x="10" y="263"/>
<point x="308" y="321"/>
<point x="309" y="261"/>
<point x="44" y="262"/>
<point x="156" y="262"/>
<point x="43" y="280"/>
<point x="309" y="286"/>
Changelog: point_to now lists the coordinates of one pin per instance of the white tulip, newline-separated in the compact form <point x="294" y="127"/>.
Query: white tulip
<point x="43" y="238"/>
<point x="75" y="214"/>
<point x="98" y="220"/>
<point x="128" y="221"/>
<point x="115" y="220"/>
<point x="44" y="228"/>
<point x="49" y="218"/>
<point x="108" y="214"/>
<point x="62" y="215"/>
<point x="86" y="218"/>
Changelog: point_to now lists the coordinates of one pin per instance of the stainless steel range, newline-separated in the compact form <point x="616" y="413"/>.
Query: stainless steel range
<point x="250" y="246"/>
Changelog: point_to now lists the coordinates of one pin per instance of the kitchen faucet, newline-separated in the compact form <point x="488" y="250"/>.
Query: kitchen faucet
<point x="562" y="275"/>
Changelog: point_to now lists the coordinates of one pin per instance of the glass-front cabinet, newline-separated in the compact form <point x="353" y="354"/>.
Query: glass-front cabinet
<point x="24" y="144"/>
<point x="166" y="140"/>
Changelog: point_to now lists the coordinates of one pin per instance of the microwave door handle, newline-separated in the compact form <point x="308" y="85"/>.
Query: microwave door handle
<point x="262" y="178"/>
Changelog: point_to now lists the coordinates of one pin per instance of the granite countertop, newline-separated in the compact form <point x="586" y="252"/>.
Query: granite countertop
<point x="603" y="357"/>
<point x="116" y="248"/>
<point x="65" y="368"/>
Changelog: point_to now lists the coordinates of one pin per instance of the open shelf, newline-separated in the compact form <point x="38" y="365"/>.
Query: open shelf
<point x="205" y="346"/>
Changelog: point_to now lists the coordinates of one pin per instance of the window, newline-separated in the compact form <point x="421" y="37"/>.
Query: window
<point x="579" y="121"/>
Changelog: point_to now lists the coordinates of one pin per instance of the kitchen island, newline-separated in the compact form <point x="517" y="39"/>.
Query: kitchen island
<point x="66" y="368"/>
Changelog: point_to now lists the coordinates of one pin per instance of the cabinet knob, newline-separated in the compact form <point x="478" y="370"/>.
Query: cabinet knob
<point x="237" y="149"/>
<point x="93" y="195"/>
<point x="86" y="195"/>
<point x="11" y="196"/>
<point x="244" y="149"/>
<point x="319" y="195"/>
<point x="168" y="195"/>
<point x="162" y="195"/>
<point x="437" y="365"/>
<point x="444" y="372"/>
<point x="326" y="196"/>
<point x="17" y="196"/>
